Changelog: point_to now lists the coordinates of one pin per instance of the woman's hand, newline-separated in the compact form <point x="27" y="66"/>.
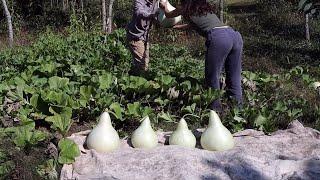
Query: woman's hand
<point x="163" y="4"/>
<point x="182" y="26"/>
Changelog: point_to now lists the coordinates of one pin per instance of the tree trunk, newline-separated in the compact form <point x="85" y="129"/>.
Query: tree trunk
<point x="221" y="6"/>
<point x="64" y="6"/>
<point x="307" y="28"/>
<point x="104" y="16"/>
<point x="73" y="4"/>
<point x="81" y="5"/>
<point x="110" y="16"/>
<point x="67" y="4"/>
<point x="9" y="21"/>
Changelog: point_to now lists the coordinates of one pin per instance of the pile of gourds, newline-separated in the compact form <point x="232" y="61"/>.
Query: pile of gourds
<point x="104" y="138"/>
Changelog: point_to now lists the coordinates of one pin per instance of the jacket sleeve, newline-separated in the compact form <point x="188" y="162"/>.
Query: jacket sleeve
<point x="141" y="10"/>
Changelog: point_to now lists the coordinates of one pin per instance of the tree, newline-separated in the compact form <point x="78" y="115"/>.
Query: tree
<point x="104" y="16"/>
<point x="307" y="28"/>
<point x="107" y="21"/>
<point x="310" y="9"/>
<point x="110" y="16"/>
<point x="221" y="6"/>
<point x="9" y="22"/>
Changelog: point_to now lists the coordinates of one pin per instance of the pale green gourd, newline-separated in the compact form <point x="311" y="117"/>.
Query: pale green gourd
<point x="182" y="136"/>
<point x="316" y="85"/>
<point x="216" y="137"/>
<point x="144" y="136"/>
<point x="168" y="22"/>
<point x="103" y="138"/>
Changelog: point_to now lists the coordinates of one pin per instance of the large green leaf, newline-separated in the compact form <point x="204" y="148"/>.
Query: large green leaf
<point x="6" y="167"/>
<point x="85" y="95"/>
<point x="77" y="69"/>
<point x="133" y="109"/>
<point x="56" y="82"/>
<point x="61" y="119"/>
<point x="39" y="82"/>
<point x="47" y="67"/>
<point x="211" y="94"/>
<point x="47" y="170"/>
<point x="260" y="121"/>
<point x="147" y="111"/>
<point x="19" y="81"/>
<point x="162" y="102"/>
<point x="105" y="99"/>
<point x="26" y="135"/>
<point x="105" y="81"/>
<point x="166" y="79"/>
<point x="280" y="106"/>
<point x="189" y="109"/>
<point x="166" y="116"/>
<point x="116" y="107"/>
<point x="3" y="87"/>
<point x="58" y="98"/>
<point x="68" y="151"/>
<point x="186" y="85"/>
<point x="34" y="100"/>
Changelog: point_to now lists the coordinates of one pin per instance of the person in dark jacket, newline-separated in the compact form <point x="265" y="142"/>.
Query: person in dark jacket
<point x="145" y="11"/>
<point x="224" y="46"/>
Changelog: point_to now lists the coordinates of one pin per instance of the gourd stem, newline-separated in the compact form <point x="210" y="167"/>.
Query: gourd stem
<point x="190" y="115"/>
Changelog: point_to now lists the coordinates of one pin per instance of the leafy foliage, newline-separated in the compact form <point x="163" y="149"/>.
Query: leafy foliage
<point x="68" y="151"/>
<point x="48" y="170"/>
<point x="6" y="165"/>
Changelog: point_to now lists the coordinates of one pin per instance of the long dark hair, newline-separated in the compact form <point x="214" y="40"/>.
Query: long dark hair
<point x="197" y="8"/>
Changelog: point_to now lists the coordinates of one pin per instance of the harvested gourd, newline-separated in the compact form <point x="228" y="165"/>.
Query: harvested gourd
<point x="103" y="138"/>
<point x="182" y="136"/>
<point x="316" y="85"/>
<point x="168" y="22"/>
<point x="216" y="137"/>
<point x="144" y="136"/>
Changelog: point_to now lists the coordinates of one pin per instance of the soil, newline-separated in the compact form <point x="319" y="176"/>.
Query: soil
<point x="25" y="161"/>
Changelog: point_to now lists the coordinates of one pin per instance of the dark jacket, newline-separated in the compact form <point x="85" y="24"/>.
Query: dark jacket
<point x="144" y="13"/>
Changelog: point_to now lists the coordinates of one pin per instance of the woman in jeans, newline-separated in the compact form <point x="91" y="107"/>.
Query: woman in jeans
<point x="224" y="46"/>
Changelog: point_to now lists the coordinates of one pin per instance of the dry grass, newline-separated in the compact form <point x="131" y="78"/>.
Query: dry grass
<point x="240" y="2"/>
<point x="3" y="42"/>
<point x="22" y="38"/>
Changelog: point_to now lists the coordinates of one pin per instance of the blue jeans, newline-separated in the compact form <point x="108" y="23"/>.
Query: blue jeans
<point x="224" y="50"/>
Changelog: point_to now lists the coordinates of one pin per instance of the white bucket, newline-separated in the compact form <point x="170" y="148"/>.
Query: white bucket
<point x="167" y="22"/>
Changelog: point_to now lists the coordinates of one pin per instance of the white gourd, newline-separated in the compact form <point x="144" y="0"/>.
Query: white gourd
<point x="182" y="136"/>
<point x="216" y="137"/>
<point x="103" y="138"/>
<point x="144" y="136"/>
<point x="316" y="85"/>
<point x="168" y="22"/>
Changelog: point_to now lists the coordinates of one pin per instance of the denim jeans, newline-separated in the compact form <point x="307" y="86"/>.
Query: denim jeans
<point x="224" y="50"/>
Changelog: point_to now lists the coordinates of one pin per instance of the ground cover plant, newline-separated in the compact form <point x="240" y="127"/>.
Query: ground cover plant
<point x="61" y="82"/>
